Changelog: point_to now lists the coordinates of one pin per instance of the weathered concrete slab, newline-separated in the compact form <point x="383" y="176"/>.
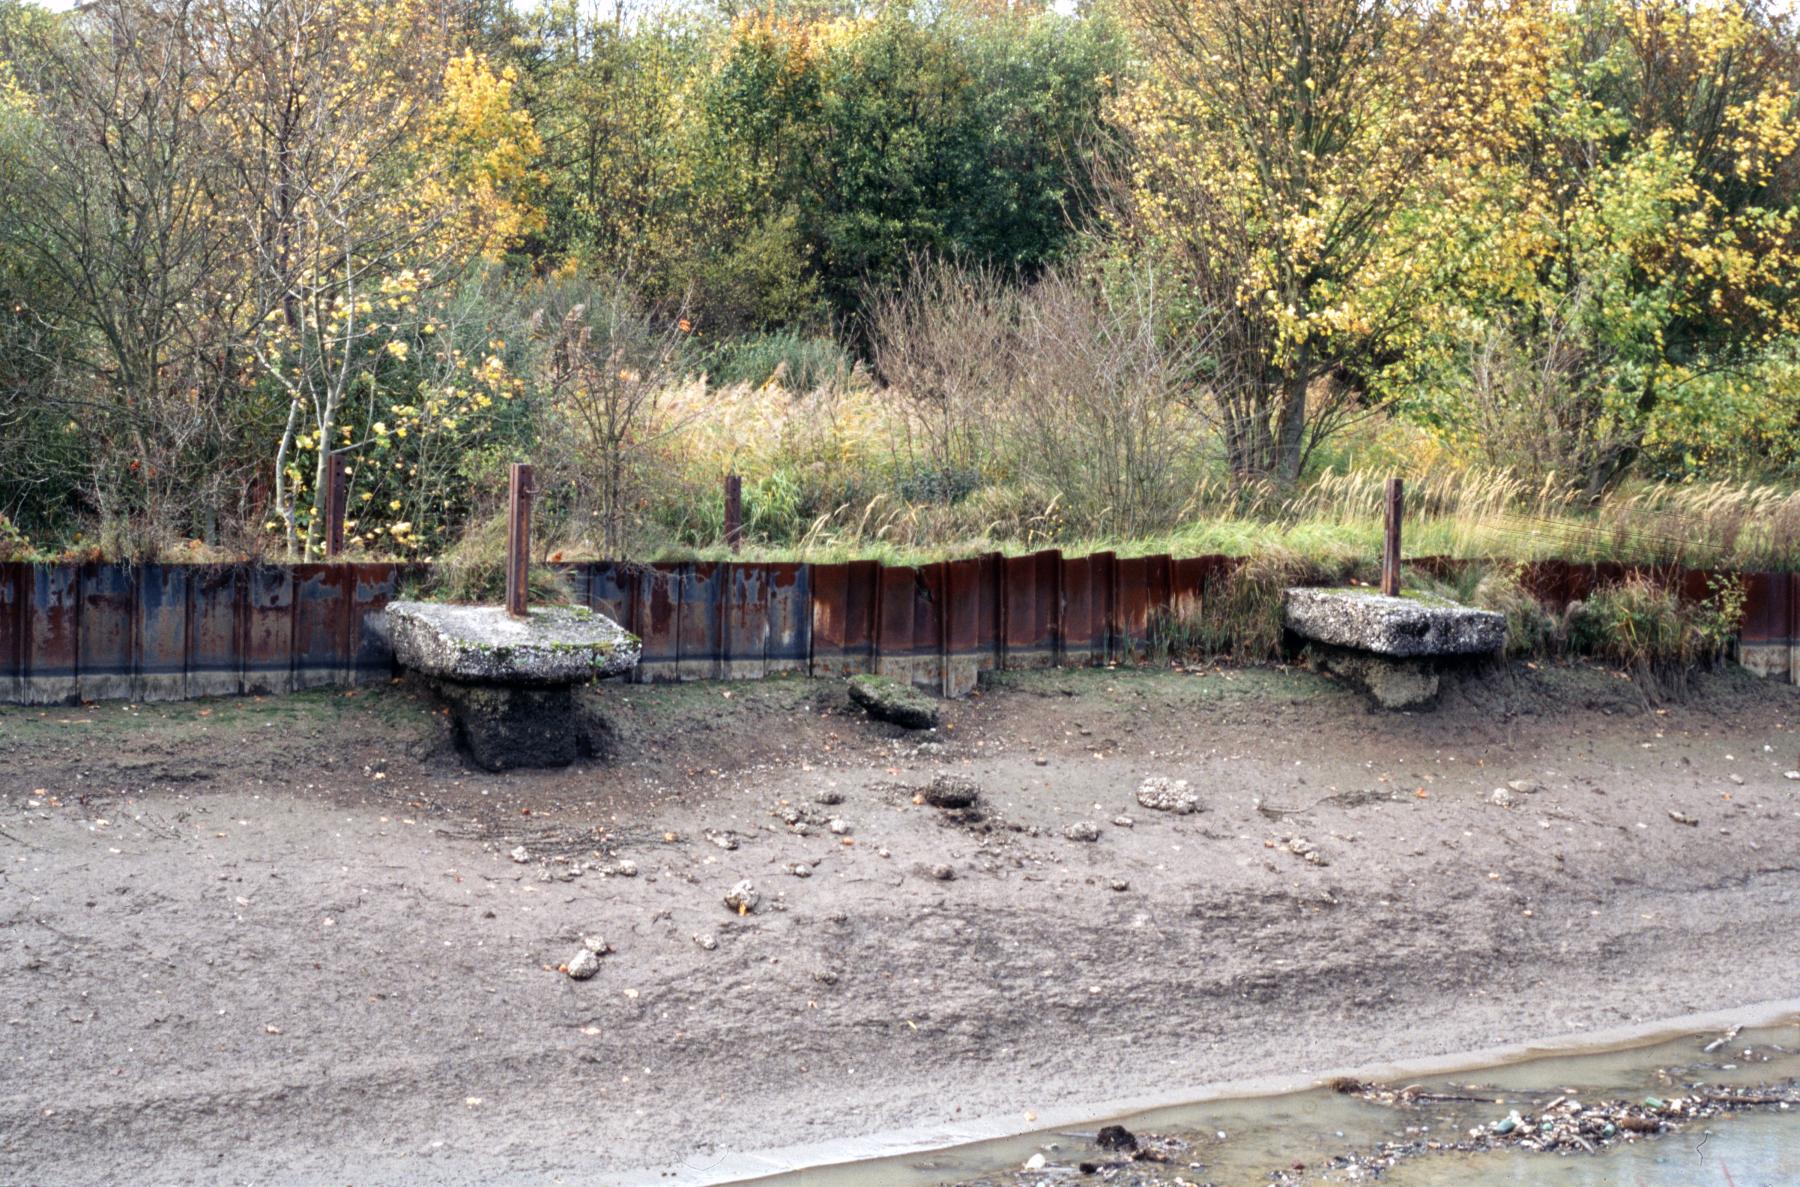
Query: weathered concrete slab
<point x="1414" y="627"/>
<point x="556" y="645"/>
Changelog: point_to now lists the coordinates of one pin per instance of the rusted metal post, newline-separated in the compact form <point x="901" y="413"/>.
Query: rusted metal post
<point x="1390" y="553"/>
<point x="518" y="538"/>
<point x="734" y="511"/>
<point x="337" y="500"/>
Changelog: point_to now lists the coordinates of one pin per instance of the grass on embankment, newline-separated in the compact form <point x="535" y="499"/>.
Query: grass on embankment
<point x="1337" y="519"/>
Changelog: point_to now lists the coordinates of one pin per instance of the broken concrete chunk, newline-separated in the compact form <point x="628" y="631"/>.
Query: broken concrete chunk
<point x="1390" y="683"/>
<point x="1167" y="795"/>
<point x="743" y="898"/>
<point x="1303" y="848"/>
<point x="951" y="791"/>
<point x="893" y="701"/>
<point x="1082" y="830"/>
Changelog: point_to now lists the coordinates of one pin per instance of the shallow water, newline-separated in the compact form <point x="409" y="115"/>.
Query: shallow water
<point x="1241" y="1142"/>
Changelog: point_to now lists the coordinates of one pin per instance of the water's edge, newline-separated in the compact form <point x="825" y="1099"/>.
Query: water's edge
<point x="758" y="1166"/>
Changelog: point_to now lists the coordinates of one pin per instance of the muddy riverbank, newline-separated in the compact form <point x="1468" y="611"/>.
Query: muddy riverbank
<point x="1718" y="1108"/>
<point x="294" y="940"/>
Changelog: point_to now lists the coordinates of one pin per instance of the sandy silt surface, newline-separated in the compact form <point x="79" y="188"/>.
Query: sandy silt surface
<point x="295" y="940"/>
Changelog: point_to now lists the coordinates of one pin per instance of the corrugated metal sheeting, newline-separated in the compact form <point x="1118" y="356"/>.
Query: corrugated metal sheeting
<point x="166" y="632"/>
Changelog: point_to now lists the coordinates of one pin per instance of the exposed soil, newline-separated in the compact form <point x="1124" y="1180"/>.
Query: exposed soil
<point x="288" y="941"/>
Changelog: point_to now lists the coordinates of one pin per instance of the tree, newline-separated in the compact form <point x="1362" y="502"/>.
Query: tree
<point x="607" y="363"/>
<point x="1275" y="142"/>
<point x="372" y="163"/>
<point x="1633" y="244"/>
<point x="115" y="209"/>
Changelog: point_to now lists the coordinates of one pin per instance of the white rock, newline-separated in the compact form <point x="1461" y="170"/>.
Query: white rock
<point x="1167" y="795"/>
<point x="583" y="965"/>
<point x="521" y="855"/>
<point x="743" y="898"/>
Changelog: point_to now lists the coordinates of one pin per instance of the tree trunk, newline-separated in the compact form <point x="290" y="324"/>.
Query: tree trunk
<point x="1290" y="419"/>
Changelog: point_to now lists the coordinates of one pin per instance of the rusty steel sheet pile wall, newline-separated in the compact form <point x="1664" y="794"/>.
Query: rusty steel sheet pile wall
<point x="167" y="632"/>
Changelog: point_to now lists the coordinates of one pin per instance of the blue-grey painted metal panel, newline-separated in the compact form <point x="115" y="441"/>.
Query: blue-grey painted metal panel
<point x="160" y="633"/>
<point x="15" y="599"/>
<point x="217" y="599"/>
<point x="51" y="646"/>
<point x="268" y="629"/>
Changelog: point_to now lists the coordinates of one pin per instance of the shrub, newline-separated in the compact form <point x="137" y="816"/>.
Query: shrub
<point x="13" y="544"/>
<point x="1530" y="629"/>
<point x="474" y="570"/>
<point x="785" y="358"/>
<point x="1239" y="613"/>
<point x="1641" y="626"/>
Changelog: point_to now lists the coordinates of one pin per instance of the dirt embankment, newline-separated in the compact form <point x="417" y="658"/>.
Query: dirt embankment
<point x="291" y="940"/>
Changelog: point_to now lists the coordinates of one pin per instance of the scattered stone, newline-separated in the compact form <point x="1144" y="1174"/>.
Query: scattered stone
<point x="1525" y="786"/>
<point x="1035" y="1163"/>
<point x="825" y="976"/>
<point x="951" y="791"/>
<point x="723" y="840"/>
<point x="1082" y="830"/>
<point x="839" y="827"/>
<point x="1119" y="884"/>
<point x="1736" y="778"/>
<point x="893" y="701"/>
<point x="943" y="873"/>
<point x="1683" y="818"/>
<point x="883" y="852"/>
<point x="1167" y="795"/>
<point x="800" y="869"/>
<point x="706" y="941"/>
<point x="1503" y="797"/>
<point x="1790" y="774"/>
<point x="1041" y="761"/>
<point x="583" y="964"/>
<point x="743" y="898"/>
<point x="596" y="944"/>
<point x="521" y="855"/>
<point x="1303" y="848"/>
<point x="1124" y="822"/>
<point x="829" y="797"/>
<point x="1115" y="1137"/>
<point x="626" y="869"/>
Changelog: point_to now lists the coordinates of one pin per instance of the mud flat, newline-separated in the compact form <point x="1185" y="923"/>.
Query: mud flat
<point x="294" y="940"/>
